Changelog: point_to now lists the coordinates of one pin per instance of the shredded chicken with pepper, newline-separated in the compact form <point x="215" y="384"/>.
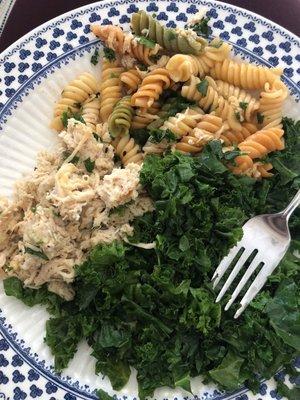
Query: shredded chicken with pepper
<point x="67" y="206"/>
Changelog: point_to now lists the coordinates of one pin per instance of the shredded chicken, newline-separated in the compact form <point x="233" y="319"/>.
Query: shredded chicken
<point x="64" y="208"/>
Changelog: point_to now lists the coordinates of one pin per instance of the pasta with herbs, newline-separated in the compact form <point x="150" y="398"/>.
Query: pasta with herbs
<point x="72" y="97"/>
<point x="110" y="88"/>
<point x="270" y="105"/>
<point x="244" y="75"/>
<point x="151" y="88"/>
<point x="179" y="91"/>
<point x="131" y="80"/>
<point x="90" y="111"/>
<point x="207" y="129"/>
<point x="128" y="150"/>
<point x="120" y="119"/>
<point x="182" y="66"/>
<point x="142" y="119"/>
<point x="248" y="103"/>
<point x="257" y="146"/>
<point x="230" y="137"/>
<point x="186" y="42"/>
<point x="209" y="100"/>
<point x="125" y="43"/>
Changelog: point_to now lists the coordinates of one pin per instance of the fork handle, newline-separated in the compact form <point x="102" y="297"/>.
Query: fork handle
<point x="288" y="211"/>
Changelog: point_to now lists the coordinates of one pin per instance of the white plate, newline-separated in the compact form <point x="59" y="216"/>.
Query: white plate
<point x="32" y="73"/>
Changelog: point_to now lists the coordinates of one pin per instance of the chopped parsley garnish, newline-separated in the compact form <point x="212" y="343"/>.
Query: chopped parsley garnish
<point x="89" y="165"/>
<point x="146" y="42"/>
<point x="158" y="135"/>
<point x="238" y="116"/>
<point x="201" y="27"/>
<point x="243" y="105"/>
<point x="95" y="57"/>
<point x="66" y="115"/>
<point x="202" y="87"/>
<point x="260" y="118"/>
<point x="109" y="54"/>
<point x="37" y="253"/>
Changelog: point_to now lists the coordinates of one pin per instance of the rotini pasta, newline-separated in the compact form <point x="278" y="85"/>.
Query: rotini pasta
<point x="206" y="130"/>
<point x="143" y="118"/>
<point x="110" y="88"/>
<point x="182" y="66"/>
<point x="90" y="111"/>
<point x="186" y="42"/>
<point x="125" y="43"/>
<point x="73" y="95"/>
<point x="151" y="88"/>
<point x="128" y="150"/>
<point x="257" y="146"/>
<point x="249" y="103"/>
<point x="183" y="123"/>
<point x="120" y="120"/>
<point x="271" y="102"/>
<point x="211" y="101"/>
<point x="132" y="80"/>
<point x="230" y="137"/>
<point x="244" y="75"/>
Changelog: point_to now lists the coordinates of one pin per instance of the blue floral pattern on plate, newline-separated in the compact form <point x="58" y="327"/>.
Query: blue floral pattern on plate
<point x="23" y="375"/>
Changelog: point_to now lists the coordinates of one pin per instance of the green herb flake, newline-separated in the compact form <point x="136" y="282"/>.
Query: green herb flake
<point x="36" y="253"/>
<point x="201" y="27"/>
<point x="202" y="87"/>
<point x="95" y="57"/>
<point x="89" y="165"/>
<point x="238" y="116"/>
<point x="158" y="135"/>
<point x="260" y="118"/>
<point x="149" y="43"/>
<point x="109" y="54"/>
<point x="243" y="105"/>
<point x="66" y="115"/>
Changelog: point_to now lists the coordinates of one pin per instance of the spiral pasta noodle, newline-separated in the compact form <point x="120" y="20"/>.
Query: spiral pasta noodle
<point x="271" y="102"/>
<point x="125" y="43"/>
<point x="257" y="146"/>
<point x="120" y="120"/>
<point x="151" y="88"/>
<point x="179" y="42"/>
<point x="143" y="118"/>
<point x="90" y="111"/>
<point x="110" y="88"/>
<point x="206" y="130"/>
<point x="183" y="123"/>
<point x="244" y="75"/>
<point x="73" y="95"/>
<point x="128" y="150"/>
<point x="228" y="91"/>
<point x="230" y="137"/>
<point x="211" y="101"/>
<point x="131" y="79"/>
<point x="182" y="66"/>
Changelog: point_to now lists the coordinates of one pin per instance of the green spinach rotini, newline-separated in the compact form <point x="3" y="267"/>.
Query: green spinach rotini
<point x="184" y="42"/>
<point x="120" y="120"/>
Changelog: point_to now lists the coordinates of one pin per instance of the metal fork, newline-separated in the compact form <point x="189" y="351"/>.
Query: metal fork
<point x="269" y="237"/>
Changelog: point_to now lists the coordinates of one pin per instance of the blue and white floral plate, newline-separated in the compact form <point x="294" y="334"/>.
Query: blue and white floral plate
<point x="33" y="72"/>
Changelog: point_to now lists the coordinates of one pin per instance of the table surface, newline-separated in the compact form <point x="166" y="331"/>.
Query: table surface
<point x="28" y="14"/>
